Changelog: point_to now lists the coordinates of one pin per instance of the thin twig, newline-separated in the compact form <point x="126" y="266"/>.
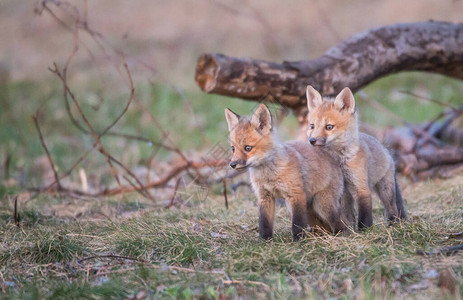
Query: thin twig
<point x="455" y="235"/>
<point x="165" y="136"/>
<point x="171" y="202"/>
<point x="2" y="282"/>
<point x="248" y="282"/>
<point x="6" y="164"/>
<point x="16" y="216"/>
<point x="163" y="181"/>
<point x="67" y="91"/>
<point x="44" y="146"/>
<point x="163" y="268"/>
<point x="78" y="161"/>
<point x="84" y="125"/>
<point x="256" y="15"/>
<point x="455" y="112"/>
<point x="225" y="192"/>
<point x="86" y="121"/>
<point x="429" y="99"/>
<point x="445" y="251"/>
<point x="79" y="261"/>
<point x="154" y="184"/>
<point x="132" y="93"/>
<point x="326" y="20"/>
<point x="419" y="132"/>
<point x="381" y="107"/>
<point x="141" y="139"/>
<point x="141" y="186"/>
<point x="437" y="132"/>
<point x="142" y="192"/>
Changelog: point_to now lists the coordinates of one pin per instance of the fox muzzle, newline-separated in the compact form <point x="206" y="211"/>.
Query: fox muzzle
<point x="238" y="164"/>
<point x="317" y="142"/>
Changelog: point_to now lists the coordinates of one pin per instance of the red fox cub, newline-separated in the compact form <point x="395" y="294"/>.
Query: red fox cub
<point x="366" y="164"/>
<point x="306" y="177"/>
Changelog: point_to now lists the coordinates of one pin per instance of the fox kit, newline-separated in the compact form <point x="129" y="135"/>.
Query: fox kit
<point x="306" y="177"/>
<point x="366" y="164"/>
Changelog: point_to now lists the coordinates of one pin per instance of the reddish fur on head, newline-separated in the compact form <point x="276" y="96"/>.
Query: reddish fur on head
<point x="255" y="132"/>
<point x="331" y="121"/>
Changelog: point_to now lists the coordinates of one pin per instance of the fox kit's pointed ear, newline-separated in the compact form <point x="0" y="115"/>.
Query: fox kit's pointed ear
<point x="314" y="99"/>
<point x="262" y="119"/>
<point x="345" y="101"/>
<point x="232" y="119"/>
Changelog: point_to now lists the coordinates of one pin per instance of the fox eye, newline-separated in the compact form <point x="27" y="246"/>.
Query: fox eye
<point x="329" y="127"/>
<point x="312" y="126"/>
<point x="247" y="148"/>
<point x="233" y="148"/>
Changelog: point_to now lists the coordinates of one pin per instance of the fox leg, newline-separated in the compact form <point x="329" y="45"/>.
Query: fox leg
<point x="299" y="220"/>
<point x="327" y="207"/>
<point x="399" y="201"/>
<point x="364" y="204"/>
<point x="298" y="205"/>
<point x="386" y="190"/>
<point x="361" y="193"/>
<point x="266" y="205"/>
<point x="316" y="225"/>
<point x="348" y="209"/>
<point x="357" y="183"/>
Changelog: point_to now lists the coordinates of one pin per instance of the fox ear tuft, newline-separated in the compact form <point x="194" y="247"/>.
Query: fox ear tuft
<point x="262" y="119"/>
<point x="232" y="119"/>
<point x="345" y="101"/>
<point x="314" y="99"/>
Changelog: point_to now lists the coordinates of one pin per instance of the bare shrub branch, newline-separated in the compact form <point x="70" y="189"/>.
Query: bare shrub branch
<point x="76" y="24"/>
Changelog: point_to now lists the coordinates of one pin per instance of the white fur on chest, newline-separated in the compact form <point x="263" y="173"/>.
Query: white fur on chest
<point x="266" y="178"/>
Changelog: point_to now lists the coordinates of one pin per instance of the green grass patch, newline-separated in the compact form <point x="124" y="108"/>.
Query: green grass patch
<point x="200" y="250"/>
<point x="207" y="251"/>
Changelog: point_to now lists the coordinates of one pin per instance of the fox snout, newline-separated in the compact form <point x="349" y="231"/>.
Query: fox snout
<point x="238" y="164"/>
<point x="317" y="142"/>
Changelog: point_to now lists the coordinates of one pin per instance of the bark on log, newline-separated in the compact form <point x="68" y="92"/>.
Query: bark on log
<point x="428" y="46"/>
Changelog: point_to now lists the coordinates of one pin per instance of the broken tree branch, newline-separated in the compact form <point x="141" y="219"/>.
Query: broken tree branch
<point x="357" y="61"/>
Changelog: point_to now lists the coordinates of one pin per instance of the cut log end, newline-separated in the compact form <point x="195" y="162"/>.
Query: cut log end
<point x="207" y="69"/>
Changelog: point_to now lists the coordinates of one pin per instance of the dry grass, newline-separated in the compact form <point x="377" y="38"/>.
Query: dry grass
<point x="208" y="251"/>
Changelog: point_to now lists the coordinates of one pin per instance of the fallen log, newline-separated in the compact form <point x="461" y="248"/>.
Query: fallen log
<point x="357" y="61"/>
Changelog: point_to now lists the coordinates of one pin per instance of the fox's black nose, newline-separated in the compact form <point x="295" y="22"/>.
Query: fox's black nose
<point x="233" y="164"/>
<point x="313" y="141"/>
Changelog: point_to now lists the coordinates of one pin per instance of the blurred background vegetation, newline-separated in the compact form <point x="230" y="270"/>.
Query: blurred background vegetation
<point x="169" y="36"/>
<point x="183" y="248"/>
